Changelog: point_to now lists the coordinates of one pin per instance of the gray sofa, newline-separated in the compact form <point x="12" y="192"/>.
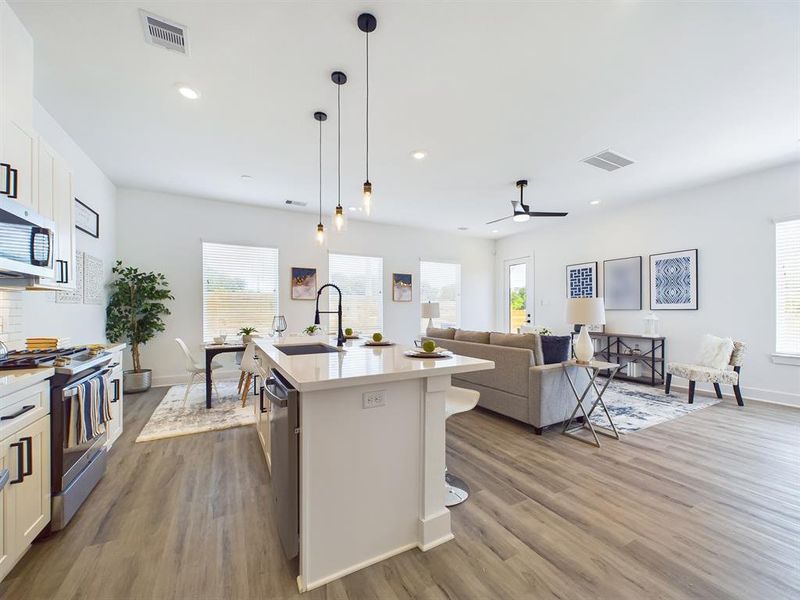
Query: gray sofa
<point x="520" y="386"/>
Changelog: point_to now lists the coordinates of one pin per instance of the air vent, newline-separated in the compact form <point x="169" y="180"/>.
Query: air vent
<point x="164" y="33"/>
<point x="296" y="203"/>
<point x="608" y="161"/>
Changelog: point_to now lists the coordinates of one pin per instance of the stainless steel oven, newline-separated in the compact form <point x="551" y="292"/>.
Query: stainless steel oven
<point x="26" y="243"/>
<point x="75" y="469"/>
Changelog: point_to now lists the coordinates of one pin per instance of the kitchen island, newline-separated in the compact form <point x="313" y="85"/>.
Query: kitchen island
<point x="370" y="458"/>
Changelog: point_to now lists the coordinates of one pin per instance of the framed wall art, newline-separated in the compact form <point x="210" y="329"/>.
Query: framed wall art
<point x="673" y="280"/>
<point x="582" y="280"/>
<point x="622" y="283"/>
<point x="86" y="219"/>
<point x="304" y="283"/>
<point x="401" y="287"/>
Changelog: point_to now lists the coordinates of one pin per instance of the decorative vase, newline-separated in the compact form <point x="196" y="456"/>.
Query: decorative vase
<point x="651" y="325"/>
<point x="135" y="382"/>
<point x="584" y="349"/>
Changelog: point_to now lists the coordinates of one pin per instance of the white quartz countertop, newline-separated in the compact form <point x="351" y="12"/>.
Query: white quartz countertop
<point x="357" y="364"/>
<point x="18" y="379"/>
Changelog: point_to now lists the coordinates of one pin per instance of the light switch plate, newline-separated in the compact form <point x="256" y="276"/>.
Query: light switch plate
<point x="374" y="399"/>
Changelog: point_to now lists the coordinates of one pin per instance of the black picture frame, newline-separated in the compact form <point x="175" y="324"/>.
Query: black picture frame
<point x="595" y="278"/>
<point x="94" y="214"/>
<point x="608" y="305"/>
<point x="693" y="254"/>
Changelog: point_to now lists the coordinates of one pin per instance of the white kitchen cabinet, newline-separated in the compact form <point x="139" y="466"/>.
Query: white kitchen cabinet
<point x="25" y="452"/>
<point x="18" y="142"/>
<point x="54" y="200"/>
<point x="114" y="428"/>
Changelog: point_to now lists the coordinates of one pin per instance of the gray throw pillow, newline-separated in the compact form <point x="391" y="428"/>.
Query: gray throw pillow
<point x="447" y="333"/>
<point x="478" y="337"/>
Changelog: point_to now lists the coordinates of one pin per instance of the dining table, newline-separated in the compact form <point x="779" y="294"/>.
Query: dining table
<point x="212" y="350"/>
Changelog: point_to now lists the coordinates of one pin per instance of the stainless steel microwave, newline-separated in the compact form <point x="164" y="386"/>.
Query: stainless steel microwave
<point x="26" y="242"/>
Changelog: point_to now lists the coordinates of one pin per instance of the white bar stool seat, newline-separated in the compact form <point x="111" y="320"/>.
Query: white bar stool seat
<point x="457" y="400"/>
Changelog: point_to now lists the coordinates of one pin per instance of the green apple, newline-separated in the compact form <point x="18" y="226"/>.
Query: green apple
<point x="377" y="337"/>
<point x="429" y="345"/>
<point x="348" y="331"/>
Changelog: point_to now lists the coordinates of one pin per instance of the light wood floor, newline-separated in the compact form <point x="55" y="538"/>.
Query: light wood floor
<point x="705" y="506"/>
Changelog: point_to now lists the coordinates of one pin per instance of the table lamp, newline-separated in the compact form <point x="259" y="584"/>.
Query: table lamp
<point x="430" y="310"/>
<point x="583" y="312"/>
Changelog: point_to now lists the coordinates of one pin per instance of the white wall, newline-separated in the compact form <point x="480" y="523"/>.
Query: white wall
<point x="730" y="223"/>
<point x="163" y="233"/>
<point x="36" y="313"/>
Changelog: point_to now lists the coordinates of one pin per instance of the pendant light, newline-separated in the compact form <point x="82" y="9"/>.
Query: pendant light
<point x="367" y="23"/>
<point x="320" y="117"/>
<point x="339" y="79"/>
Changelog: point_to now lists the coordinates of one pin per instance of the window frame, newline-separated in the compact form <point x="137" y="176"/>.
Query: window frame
<point x="382" y="285"/>
<point x="780" y="357"/>
<point x="423" y="299"/>
<point x="203" y="242"/>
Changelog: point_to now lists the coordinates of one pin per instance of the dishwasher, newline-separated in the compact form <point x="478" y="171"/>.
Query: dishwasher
<point x="284" y="449"/>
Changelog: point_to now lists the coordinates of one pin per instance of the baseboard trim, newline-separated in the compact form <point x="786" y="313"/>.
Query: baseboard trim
<point x="748" y="395"/>
<point x="306" y="587"/>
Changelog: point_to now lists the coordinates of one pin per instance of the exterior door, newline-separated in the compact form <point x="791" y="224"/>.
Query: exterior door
<point x="517" y="296"/>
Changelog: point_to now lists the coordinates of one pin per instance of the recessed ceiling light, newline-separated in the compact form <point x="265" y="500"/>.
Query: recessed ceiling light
<point x="419" y="154"/>
<point x="594" y="202"/>
<point x="187" y="92"/>
<point x="463" y="228"/>
<point x="495" y="231"/>
<point x="246" y="177"/>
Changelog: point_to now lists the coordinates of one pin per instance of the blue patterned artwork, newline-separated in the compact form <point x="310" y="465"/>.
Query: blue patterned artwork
<point x="673" y="280"/>
<point x="582" y="280"/>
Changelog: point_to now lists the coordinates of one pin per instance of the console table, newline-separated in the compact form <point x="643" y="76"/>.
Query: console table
<point x="619" y="348"/>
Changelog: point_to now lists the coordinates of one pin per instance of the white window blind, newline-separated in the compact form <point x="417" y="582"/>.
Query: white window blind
<point x="361" y="280"/>
<point x="787" y="279"/>
<point x="441" y="282"/>
<point x="240" y="288"/>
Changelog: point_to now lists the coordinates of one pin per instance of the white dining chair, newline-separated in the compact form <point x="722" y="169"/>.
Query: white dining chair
<point x="193" y="369"/>
<point x="250" y="370"/>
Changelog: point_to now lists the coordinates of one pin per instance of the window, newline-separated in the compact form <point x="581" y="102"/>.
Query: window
<point x="240" y="288"/>
<point x="361" y="280"/>
<point x="787" y="278"/>
<point x="441" y="282"/>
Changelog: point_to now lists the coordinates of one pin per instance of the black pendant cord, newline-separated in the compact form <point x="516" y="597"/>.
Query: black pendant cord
<point x="367" y="108"/>
<point x="320" y="172"/>
<point x="339" y="145"/>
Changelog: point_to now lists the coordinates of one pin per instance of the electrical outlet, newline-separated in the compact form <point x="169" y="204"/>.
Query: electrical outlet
<point x="374" y="399"/>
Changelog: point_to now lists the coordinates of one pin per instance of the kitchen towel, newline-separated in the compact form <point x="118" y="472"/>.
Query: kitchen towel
<point x="90" y="410"/>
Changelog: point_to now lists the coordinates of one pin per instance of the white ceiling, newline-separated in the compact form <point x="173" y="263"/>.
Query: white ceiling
<point x="492" y="91"/>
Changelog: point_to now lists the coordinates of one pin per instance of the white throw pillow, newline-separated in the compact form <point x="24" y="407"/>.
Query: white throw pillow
<point x="715" y="352"/>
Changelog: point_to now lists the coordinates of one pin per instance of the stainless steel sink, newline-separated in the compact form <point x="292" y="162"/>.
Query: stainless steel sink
<point x="300" y="349"/>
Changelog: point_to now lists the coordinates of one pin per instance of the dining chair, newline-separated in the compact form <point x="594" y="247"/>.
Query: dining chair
<point x="193" y="369"/>
<point x="250" y="370"/>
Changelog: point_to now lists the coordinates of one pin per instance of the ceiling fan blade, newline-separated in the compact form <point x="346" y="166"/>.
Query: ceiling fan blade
<point x="498" y="220"/>
<point x="547" y="214"/>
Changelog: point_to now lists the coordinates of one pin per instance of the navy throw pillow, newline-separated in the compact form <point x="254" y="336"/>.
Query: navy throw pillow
<point x="555" y="348"/>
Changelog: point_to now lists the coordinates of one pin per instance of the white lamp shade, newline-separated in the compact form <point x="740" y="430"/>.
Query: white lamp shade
<point x="586" y="311"/>
<point x="430" y="310"/>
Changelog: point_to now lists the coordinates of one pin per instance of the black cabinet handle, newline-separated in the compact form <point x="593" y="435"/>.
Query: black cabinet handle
<point x="6" y="180"/>
<point x="28" y="441"/>
<point x="66" y="271"/>
<point x="63" y="271"/>
<point x="116" y="390"/>
<point x="20" y="466"/>
<point x="19" y="413"/>
<point x="12" y="186"/>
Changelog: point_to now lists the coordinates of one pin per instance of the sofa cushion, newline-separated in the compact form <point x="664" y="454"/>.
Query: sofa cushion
<point x="448" y="333"/>
<point x="530" y="341"/>
<point x="555" y="348"/>
<point x="477" y="337"/>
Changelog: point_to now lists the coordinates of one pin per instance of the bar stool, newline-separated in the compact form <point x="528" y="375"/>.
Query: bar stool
<point x="457" y="400"/>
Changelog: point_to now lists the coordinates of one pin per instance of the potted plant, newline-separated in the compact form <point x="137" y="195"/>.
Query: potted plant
<point x="312" y="329"/>
<point x="247" y="334"/>
<point x="135" y="312"/>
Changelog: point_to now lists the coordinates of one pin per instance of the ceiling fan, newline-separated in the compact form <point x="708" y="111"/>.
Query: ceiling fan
<point x="523" y="212"/>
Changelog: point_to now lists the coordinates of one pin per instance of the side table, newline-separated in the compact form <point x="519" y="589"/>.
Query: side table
<point x="592" y="369"/>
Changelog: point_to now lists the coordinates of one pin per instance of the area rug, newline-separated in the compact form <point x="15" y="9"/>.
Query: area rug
<point x="171" y="419"/>
<point x="635" y="406"/>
